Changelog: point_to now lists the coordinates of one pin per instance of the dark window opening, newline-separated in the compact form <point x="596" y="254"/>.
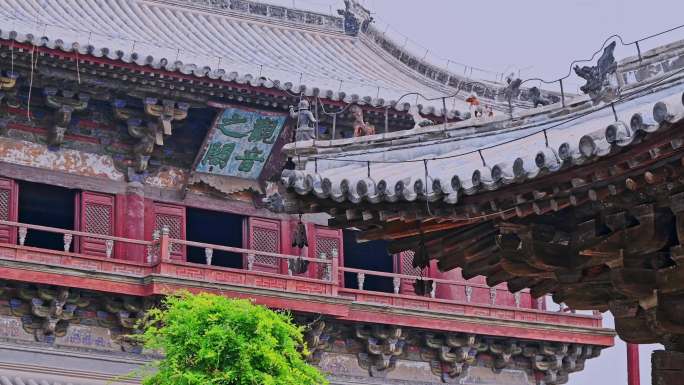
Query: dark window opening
<point x="368" y="256"/>
<point x="216" y="228"/>
<point x="45" y="205"/>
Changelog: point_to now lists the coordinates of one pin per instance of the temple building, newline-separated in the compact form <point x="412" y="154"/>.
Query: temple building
<point x="281" y="155"/>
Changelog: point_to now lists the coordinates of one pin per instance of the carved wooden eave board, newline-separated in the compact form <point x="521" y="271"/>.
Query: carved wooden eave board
<point x="308" y="52"/>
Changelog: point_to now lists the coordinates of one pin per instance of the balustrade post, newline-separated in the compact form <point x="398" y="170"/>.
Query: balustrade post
<point x="326" y="267"/>
<point x="468" y="293"/>
<point x="433" y="292"/>
<point x="153" y="247"/>
<point x="208" y="255"/>
<point x="396" y="281"/>
<point x="23" y="231"/>
<point x="335" y="272"/>
<point x="361" y="277"/>
<point x="165" y="244"/>
<point x="516" y="298"/>
<point x="250" y="261"/>
<point x="67" y="242"/>
<point x="109" y="247"/>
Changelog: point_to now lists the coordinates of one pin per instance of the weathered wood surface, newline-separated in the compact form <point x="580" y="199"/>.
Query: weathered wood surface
<point x="608" y="236"/>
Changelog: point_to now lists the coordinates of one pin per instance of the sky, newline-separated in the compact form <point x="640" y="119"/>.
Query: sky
<point x="531" y="38"/>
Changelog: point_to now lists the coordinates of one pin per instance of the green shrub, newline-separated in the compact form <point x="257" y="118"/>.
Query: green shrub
<point x="208" y="339"/>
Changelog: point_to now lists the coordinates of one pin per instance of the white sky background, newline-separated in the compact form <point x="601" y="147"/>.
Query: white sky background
<point x="539" y="38"/>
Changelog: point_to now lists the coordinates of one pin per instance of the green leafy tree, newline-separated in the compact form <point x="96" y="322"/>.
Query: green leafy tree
<point x="208" y="339"/>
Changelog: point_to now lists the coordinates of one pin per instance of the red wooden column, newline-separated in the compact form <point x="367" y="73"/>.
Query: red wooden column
<point x="134" y="221"/>
<point x="633" y="364"/>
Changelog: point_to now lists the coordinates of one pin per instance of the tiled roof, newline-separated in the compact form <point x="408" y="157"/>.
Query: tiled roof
<point x="219" y="43"/>
<point x="245" y="42"/>
<point x="474" y="156"/>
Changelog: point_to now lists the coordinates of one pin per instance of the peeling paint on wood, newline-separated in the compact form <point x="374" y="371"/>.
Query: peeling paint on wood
<point x="70" y="161"/>
<point x="168" y="178"/>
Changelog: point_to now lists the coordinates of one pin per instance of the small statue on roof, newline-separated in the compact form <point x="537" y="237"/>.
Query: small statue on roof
<point x="512" y="90"/>
<point x="356" y="17"/>
<point x="361" y="128"/>
<point x="306" y="121"/>
<point x="536" y="97"/>
<point x="475" y="106"/>
<point x="418" y="120"/>
<point x="598" y="85"/>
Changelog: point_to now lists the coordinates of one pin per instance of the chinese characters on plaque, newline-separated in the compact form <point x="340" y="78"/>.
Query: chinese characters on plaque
<point x="240" y="143"/>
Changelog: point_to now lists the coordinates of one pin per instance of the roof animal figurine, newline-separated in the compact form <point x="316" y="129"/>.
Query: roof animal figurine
<point x="475" y="106"/>
<point x="512" y="90"/>
<point x="305" y="121"/>
<point x="536" y="97"/>
<point x="272" y="199"/>
<point x="598" y="85"/>
<point x="418" y="120"/>
<point x="356" y="18"/>
<point x="361" y="128"/>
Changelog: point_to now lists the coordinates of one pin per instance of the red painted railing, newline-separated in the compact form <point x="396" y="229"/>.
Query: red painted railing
<point x="159" y="263"/>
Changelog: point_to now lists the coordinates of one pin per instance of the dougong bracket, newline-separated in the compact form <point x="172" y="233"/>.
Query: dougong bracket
<point x="166" y="112"/>
<point x="65" y="103"/>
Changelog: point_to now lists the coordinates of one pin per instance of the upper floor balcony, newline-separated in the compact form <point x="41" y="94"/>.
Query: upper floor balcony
<point x="300" y="284"/>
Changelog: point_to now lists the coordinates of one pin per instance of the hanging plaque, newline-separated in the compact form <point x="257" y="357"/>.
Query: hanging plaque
<point x="240" y="142"/>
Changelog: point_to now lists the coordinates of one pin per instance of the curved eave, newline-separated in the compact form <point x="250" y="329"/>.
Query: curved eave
<point x="190" y="71"/>
<point x="232" y="73"/>
<point x="528" y="156"/>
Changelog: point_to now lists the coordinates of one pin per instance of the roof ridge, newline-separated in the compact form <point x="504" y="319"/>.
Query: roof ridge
<point x="266" y="11"/>
<point x="445" y="77"/>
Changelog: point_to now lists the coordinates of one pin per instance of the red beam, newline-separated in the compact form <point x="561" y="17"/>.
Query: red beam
<point x="87" y="283"/>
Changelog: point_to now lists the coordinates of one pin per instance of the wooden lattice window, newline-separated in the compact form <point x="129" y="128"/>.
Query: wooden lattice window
<point x="326" y="240"/>
<point x="264" y="235"/>
<point x="173" y="218"/>
<point x="326" y="245"/>
<point x="8" y="210"/>
<point x="97" y="217"/>
<point x="403" y="264"/>
<point x="406" y="263"/>
<point x="4" y="204"/>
